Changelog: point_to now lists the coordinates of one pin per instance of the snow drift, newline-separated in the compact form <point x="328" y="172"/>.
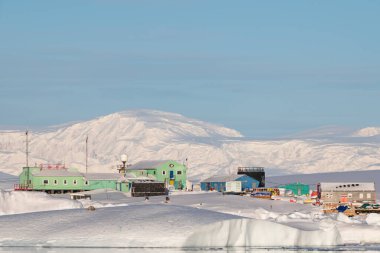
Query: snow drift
<point x="12" y="202"/>
<point x="260" y="233"/>
<point x="373" y="219"/>
<point x="147" y="225"/>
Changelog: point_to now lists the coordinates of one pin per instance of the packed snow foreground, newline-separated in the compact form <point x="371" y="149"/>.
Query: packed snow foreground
<point x="188" y="220"/>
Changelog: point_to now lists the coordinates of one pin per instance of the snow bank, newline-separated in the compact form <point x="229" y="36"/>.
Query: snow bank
<point x="359" y="234"/>
<point x="373" y="219"/>
<point x="13" y="202"/>
<point x="344" y="218"/>
<point x="260" y="233"/>
<point x="144" y="226"/>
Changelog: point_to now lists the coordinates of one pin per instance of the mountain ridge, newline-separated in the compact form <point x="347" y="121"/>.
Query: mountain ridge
<point x="210" y="149"/>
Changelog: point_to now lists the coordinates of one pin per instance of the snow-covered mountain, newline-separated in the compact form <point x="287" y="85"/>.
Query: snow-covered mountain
<point x="367" y="132"/>
<point x="210" y="149"/>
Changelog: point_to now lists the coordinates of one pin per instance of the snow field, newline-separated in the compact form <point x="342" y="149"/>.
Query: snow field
<point x="13" y="202"/>
<point x="188" y="220"/>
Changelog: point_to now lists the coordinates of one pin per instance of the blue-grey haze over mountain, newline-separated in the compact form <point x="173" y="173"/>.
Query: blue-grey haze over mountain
<point x="264" y="68"/>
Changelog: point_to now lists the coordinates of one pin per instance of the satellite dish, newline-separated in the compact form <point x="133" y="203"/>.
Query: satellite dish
<point x="124" y="158"/>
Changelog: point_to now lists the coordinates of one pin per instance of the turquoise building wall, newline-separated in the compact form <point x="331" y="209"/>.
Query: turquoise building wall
<point x="170" y="172"/>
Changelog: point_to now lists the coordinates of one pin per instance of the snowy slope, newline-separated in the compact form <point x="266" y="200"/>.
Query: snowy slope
<point x="189" y="220"/>
<point x="210" y="149"/>
<point x="7" y="181"/>
<point x="5" y="176"/>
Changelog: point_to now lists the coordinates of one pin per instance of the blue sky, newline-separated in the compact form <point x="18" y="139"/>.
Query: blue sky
<point x="265" y="68"/>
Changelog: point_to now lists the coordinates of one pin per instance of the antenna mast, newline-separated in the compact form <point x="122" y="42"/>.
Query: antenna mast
<point x="27" y="148"/>
<point x="86" y="152"/>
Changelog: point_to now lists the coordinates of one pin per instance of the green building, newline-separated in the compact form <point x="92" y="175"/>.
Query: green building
<point x="113" y="181"/>
<point x="58" y="179"/>
<point x="170" y="172"/>
<point x="297" y="188"/>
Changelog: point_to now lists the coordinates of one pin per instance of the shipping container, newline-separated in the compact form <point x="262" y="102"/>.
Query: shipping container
<point x="233" y="186"/>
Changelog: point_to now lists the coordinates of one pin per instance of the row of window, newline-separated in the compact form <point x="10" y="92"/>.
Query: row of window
<point x="163" y="172"/>
<point x="349" y="195"/>
<point x="65" y="182"/>
<point x="178" y="172"/>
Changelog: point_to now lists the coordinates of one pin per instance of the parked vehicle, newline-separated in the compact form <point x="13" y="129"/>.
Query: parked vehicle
<point x="369" y="206"/>
<point x="262" y="195"/>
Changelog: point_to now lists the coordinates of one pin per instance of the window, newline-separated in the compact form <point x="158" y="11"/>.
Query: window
<point x="361" y="195"/>
<point x="179" y="172"/>
<point x="368" y="195"/>
<point x="55" y="181"/>
<point x="74" y="181"/>
<point x="171" y="165"/>
<point x="163" y="172"/>
<point x="46" y="181"/>
<point x="65" y="182"/>
<point x="86" y="182"/>
<point x="154" y="172"/>
<point x="349" y="195"/>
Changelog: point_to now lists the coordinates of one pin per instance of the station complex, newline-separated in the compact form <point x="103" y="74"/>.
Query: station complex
<point x="148" y="176"/>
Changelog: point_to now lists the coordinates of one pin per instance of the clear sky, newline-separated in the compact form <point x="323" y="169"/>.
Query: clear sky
<point x="264" y="68"/>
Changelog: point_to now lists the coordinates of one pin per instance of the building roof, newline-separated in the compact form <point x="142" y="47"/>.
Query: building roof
<point x="103" y="176"/>
<point x="57" y="173"/>
<point x="73" y="173"/>
<point x="348" y="186"/>
<point x="133" y="177"/>
<point x="150" y="164"/>
<point x="223" y="178"/>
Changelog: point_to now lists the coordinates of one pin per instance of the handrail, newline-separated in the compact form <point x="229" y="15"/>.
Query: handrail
<point x="22" y="187"/>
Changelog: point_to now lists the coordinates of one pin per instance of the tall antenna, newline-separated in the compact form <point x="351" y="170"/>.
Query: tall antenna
<point x="27" y="148"/>
<point x="86" y="152"/>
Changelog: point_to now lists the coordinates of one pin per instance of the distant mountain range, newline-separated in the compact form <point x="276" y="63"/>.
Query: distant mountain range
<point x="209" y="149"/>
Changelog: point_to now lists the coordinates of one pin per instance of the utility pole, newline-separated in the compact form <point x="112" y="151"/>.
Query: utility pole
<point x="27" y="159"/>
<point x="86" y="152"/>
<point x="27" y="148"/>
